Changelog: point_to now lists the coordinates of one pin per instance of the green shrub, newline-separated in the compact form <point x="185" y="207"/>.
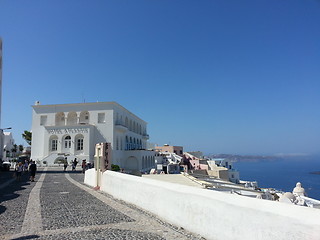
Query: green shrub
<point x="115" y="168"/>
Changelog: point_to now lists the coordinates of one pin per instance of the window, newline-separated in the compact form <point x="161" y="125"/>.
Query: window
<point x="43" y="120"/>
<point x="101" y="117"/>
<point x="72" y="118"/>
<point x="67" y="142"/>
<point x="84" y="117"/>
<point x="60" y="119"/>
<point x="54" y="144"/>
<point x="80" y="144"/>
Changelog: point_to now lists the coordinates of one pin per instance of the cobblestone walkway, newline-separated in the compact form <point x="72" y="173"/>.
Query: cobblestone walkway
<point x="59" y="206"/>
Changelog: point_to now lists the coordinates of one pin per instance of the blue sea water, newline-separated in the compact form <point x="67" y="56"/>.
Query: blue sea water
<point x="283" y="174"/>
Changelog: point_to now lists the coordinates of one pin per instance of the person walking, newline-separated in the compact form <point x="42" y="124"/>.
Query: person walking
<point x="84" y="163"/>
<point x="32" y="169"/>
<point x="18" y="170"/>
<point x="74" y="164"/>
<point x="65" y="164"/>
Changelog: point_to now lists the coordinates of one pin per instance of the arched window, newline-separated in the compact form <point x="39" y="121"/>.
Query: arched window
<point x="60" y="119"/>
<point x="84" y="117"/>
<point x="143" y="163"/>
<point x="117" y="143"/>
<point x="67" y="142"/>
<point x="79" y="140"/>
<point x="72" y="118"/>
<point x="126" y="123"/>
<point x="127" y="143"/>
<point x="53" y="143"/>
<point x="130" y="148"/>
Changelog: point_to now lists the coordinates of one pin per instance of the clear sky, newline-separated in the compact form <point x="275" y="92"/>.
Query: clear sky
<point x="219" y="76"/>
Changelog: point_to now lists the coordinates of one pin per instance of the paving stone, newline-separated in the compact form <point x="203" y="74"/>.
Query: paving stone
<point x="71" y="210"/>
<point x="13" y="203"/>
<point x="63" y="205"/>
<point x="112" y="234"/>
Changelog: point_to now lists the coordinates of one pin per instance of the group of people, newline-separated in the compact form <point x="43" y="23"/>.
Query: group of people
<point x="74" y="164"/>
<point x="27" y="166"/>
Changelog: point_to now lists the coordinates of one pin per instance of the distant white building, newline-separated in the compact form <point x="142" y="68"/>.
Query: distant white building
<point x="218" y="163"/>
<point x="8" y="145"/>
<point x="72" y="131"/>
<point x="167" y="162"/>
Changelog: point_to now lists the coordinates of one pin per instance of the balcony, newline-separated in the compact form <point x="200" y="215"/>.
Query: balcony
<point x="120" y="127"/>
<point x="145" y="136"/>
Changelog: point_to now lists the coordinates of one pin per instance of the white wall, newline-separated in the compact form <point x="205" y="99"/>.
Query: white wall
<point x="214" y="215"/>
<point x="90" y="177"/>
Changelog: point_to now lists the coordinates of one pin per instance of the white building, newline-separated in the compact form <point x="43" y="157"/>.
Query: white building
<point x="218" y="163"/>
<point x="73" y="130"/>
<point x="8" y="145"/>
<point x="167" y="162"/>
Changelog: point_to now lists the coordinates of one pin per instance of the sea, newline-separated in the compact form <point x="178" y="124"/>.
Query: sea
<point x="283" y="173"/>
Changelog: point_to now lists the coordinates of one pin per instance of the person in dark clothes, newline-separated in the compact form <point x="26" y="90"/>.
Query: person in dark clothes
<point x="65" y="164"/>
<point x="32" y="169"/>
<point x="74" y="164"/>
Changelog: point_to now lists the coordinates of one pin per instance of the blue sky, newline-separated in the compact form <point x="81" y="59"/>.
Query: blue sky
<point x="231" y="76"/>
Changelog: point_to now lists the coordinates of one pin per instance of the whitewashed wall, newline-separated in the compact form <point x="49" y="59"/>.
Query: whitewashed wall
<point x="214" y="215"/>
<point x="90" y="177"/>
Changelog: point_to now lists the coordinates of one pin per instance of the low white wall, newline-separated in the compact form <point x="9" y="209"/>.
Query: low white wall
<point x="90" y="177"/>
<point x="215" y="215"/>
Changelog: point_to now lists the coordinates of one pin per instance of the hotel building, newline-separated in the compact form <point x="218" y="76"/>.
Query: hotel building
<point x="73" y="130"/>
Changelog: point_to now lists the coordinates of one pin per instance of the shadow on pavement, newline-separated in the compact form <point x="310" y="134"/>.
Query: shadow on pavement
<point x="58" y="171"/>
<point x="9" y="192"/>
<point x="26" y="237"/>
<point x="2" y="209"/>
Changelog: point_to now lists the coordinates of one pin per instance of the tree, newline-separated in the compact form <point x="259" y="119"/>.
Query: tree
<point x="20" y="148"/>
<point x="14" y="149"/>
<point x="27" y="136"/>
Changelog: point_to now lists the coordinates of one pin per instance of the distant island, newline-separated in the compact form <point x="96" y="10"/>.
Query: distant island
<point x="259" y="158"/>
<point x="246" y="158"/>
<point x="317" y="172"/>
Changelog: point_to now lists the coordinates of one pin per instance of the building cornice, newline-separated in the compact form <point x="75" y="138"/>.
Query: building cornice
<point x="87" y="104"/>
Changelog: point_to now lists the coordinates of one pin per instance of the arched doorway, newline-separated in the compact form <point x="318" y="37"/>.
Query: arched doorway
<point x="131" y="163"/>
<point x="67" y="143"/>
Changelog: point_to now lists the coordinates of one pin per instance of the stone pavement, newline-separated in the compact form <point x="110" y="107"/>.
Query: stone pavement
<point x="59" y="206"/>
